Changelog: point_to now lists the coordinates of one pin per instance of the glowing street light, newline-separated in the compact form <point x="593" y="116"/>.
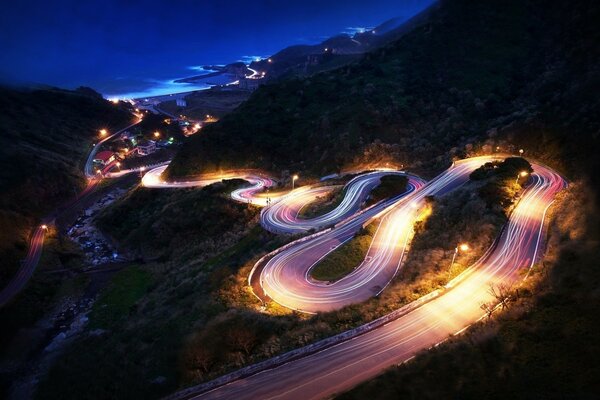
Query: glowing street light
<point x="462" y="247"/>
<point x="157" y="134"/>
<point x="44" y="227"/>
<point x="118" y="164"/>
<point x="521" y="152"/>
<point x="521" y="174"/>
<point x="103" y="132"/>
<point x="294" y="180"/>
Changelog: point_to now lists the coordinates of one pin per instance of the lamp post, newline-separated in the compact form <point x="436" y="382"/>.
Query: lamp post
<point x="462" y="247"/>
<point x="521" y="174"/>
<point x="294" y="180"/>
<point x="520" y="152"/>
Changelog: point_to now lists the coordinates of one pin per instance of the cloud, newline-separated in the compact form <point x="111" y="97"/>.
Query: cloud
<point x="249" y="59"/>
<point x="353" y="30"/>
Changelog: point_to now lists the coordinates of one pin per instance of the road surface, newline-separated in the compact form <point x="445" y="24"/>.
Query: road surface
<point x="250" y="195"/>
<point x="36" y="243"/>
<point x="88" y="169"/>
<point x="282" y="216"/>
<point x="342" y="366"/>
<point x="286" y="277"/>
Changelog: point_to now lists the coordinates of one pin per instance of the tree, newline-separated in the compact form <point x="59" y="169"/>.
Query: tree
<point x="488" y="307"/>
<point x="241" y="338"/>
<point x="501" y="293"/>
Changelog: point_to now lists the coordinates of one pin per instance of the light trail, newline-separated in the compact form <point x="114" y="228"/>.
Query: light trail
<point x="282" y="217"/>
<point x="339" y="367"/>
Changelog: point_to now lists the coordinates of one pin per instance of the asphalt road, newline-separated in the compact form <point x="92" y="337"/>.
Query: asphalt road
<point x="282" y="216"/>
<point x="340" y="367"/>
<point x="286" y="277"/>
<point x="36" y="243"/>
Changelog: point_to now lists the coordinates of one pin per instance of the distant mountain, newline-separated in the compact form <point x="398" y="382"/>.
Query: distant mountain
<point x="467" y="75"/>
<point x="337" y="50"/>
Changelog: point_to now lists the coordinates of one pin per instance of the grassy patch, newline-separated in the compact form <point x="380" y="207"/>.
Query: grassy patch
<point x="346" y="257"/>
<point x="323" y="204"/>
<point x="127" y="287"/>
<point x="543" y="346"/>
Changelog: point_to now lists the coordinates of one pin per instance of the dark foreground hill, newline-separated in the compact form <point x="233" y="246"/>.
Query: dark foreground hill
<point x="475" y="74"/>
<point x="44" y="138"/>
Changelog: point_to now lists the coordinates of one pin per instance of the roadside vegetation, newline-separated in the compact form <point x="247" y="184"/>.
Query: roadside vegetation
<point x="45" y="137"/>
<point x="390" y="186"/>
<point x="477" y="76"/>
<point x="323" y="204"/>
<point x="541" y="345"/>
<point x="346" y="257"/>
<point x="26" y="320"/>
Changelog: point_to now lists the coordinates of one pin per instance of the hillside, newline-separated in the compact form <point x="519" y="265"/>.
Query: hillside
<point x="45" y="136"/>
<point x="473" y="75"/>
<point x="304" y="60"/>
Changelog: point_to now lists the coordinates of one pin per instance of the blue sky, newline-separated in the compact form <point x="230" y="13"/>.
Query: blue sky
<point x="115" y="45"/>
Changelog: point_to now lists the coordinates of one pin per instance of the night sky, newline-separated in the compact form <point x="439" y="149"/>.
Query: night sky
<point x="124" y="46"/>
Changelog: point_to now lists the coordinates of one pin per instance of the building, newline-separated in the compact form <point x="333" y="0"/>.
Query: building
<point x="104" y="157"/>
<point x="146" y="147"/>
<point x="181" y="102"/>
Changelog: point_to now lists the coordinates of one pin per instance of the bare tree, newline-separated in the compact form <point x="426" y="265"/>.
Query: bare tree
<point x="201" y="358"/>
<point x="501" y="293"/>
<point x="241" y="338"/>
<point x="488" y="307"/>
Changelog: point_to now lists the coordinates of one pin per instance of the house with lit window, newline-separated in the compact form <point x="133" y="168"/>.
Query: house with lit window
<point x="146" y="147"/>
<point x="104" y="157"/>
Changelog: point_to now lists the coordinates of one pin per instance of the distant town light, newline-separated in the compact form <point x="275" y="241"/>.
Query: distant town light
<point x="464" y="247"/>
<point x="270" y="60"/>
<point x="156" y="134"/>
<point x="524" y="173"/>
<point x="103" y="132"/>
<point x="44" y="227"/>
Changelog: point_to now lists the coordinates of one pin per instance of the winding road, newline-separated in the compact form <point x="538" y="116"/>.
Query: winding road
<point x="341" y="366"/>
<point x="285" y="277"/>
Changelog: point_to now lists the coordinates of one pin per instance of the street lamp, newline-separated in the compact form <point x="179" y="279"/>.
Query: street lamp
<point x="520" y="152"/>
<point x="103" y="132"/>
<point x="462" y="247"/>
<point x="157" y="134"/>
<point x="521" y="174"/>
<point x="118" y="165"/>
<point x="44" y="227"/>
<point x="294" y="180"/>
